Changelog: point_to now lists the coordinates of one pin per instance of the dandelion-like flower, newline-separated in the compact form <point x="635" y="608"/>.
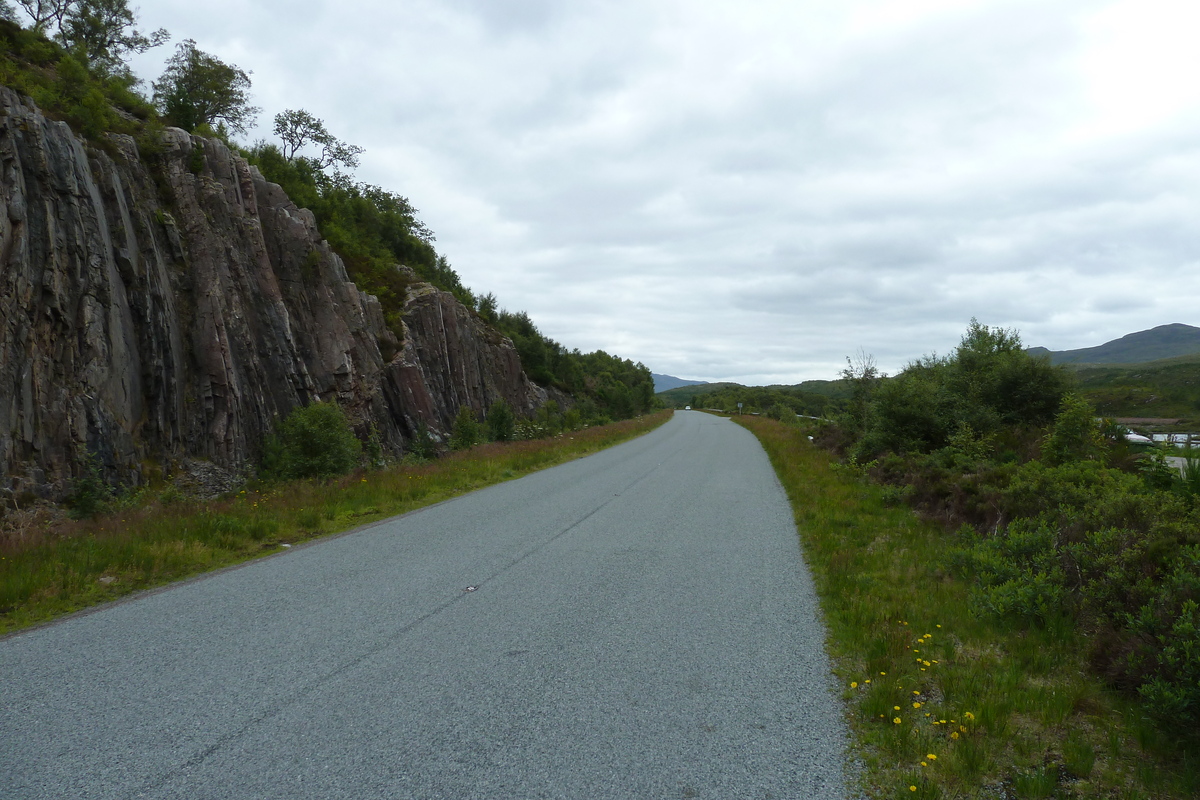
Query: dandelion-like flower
<point x="923" y="764"/>
<point x="912" y="788"/>
<point x="968" y="716"/>
<point x="853" y="684"/>
<point x="916" y="705"/>
<point x="954" y="735"/>
<point x="895" y="708"/>
<point x="896" y="720"/>
<point x="931" y="756"/>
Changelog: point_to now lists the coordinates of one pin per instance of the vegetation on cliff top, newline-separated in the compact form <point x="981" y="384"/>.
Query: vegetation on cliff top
<point x="70" y="62"/>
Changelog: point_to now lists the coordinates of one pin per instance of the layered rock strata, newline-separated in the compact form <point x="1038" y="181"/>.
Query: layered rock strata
<point x="165" y="308"/>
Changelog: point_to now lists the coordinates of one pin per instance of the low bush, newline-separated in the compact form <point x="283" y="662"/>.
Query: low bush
<point x="501" y="422"/>
<point x="466" y="432"/>
<point x="314" y="441"/>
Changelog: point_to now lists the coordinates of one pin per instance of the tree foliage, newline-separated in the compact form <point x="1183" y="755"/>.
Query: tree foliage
<point x="501" y="422"/>
<point x="608" y="386"/>
<point x="198" y="90"/>
<point x="102" y="32"/>
<point x="1065" y="520"/>
<point x="299" y="129"/>
<point x="990" y="382"/>
<point x="314" y="441"/>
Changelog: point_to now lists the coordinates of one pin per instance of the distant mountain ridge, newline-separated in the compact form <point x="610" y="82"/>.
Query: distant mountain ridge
<point x="1164" y="341"/>
<point x="664" y="383"/>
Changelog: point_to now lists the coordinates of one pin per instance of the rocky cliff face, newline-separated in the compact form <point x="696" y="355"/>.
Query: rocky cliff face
<point x="162" y="308"/>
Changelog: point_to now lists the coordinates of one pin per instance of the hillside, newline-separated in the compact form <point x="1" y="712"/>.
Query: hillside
<point x="167" y="301"/>
<point x="1168" y="388"/>
<point x="663" y="383"/>
<point x="1164" y="341"/>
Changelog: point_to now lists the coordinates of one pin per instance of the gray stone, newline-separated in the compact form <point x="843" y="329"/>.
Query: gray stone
<point x="153" y="316"/>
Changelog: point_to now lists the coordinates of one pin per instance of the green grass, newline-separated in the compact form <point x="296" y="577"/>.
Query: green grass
<point x="1008" y="711"/>
<point x="62" y="567"/>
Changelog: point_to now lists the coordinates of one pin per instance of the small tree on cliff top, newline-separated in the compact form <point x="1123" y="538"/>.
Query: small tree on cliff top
<point x="198" y="89"/>
<point x="299" y="129"/>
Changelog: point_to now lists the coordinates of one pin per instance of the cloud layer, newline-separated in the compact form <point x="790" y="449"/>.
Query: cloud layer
<point x="753" y="192"/>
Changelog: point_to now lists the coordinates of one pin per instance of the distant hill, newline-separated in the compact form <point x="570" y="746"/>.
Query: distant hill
<point x="682" y="395"/>
<point x="664" y="383"/>
<point x="1165" y="341"/>
<point x="1169" y="388"/>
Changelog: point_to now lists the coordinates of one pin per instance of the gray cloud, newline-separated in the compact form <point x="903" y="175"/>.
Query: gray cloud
<point x="753" y="193"/>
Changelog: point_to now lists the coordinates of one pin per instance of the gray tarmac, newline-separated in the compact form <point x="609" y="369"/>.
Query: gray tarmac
<point x="641" y="624"/>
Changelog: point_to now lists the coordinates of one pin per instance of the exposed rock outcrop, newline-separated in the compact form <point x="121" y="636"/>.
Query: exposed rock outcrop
<point x="169" y="306"/>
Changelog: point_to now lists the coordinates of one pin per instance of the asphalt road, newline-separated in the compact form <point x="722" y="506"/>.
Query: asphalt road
<point x="642" y="626"/>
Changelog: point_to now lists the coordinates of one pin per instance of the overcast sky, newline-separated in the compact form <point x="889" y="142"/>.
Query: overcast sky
<point x="753" y="191"/>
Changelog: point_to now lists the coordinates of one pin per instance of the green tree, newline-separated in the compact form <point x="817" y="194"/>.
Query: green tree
<point x="314" y="441"/>
<point x="862" y="375"/>
<point x="299" y="129"/>
<point x="199" y="90"/>
<point x="103" y="30"/>
<point x="46" y="13"/>
<point x="989" y="383"/>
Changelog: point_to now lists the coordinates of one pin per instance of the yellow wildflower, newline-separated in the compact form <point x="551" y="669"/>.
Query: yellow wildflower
<point x="931" y="756"/>
<point x="853" y="684"/>
<point x="896" y="720"/>
<point x="954" y="735"/>
<point x="916" y="705"/>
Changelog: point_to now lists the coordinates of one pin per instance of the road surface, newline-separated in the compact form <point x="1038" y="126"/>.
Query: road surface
<point x="636" y="624"/>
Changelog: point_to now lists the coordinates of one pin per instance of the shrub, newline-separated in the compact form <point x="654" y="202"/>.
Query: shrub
<point x="782" y="413"/>
<point x="89" y="495"/>
<point x="466" y="432"/>
<point x="423" y="444"/>
<point x="501" y="422"/>
<point x="1076" y="436"/>
<point x="314" y="441"/>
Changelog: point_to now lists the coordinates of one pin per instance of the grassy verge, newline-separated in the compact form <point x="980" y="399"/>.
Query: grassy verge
<point x="69" y="566"/>
<point x="943" y="703"/>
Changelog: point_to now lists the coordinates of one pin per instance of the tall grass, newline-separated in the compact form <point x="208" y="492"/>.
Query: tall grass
<point x="943" y="703"/>
<point x="64" y="566"/>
